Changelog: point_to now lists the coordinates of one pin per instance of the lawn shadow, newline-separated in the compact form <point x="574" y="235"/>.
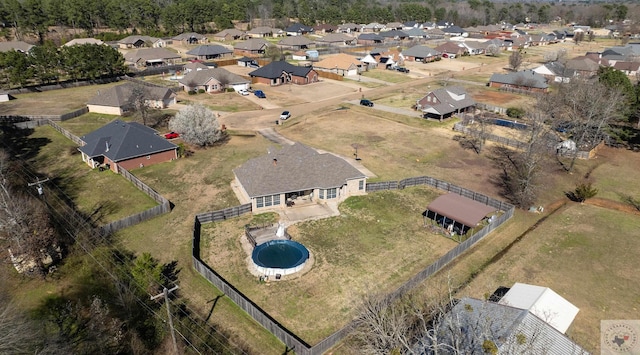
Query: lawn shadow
<point x="213" y="306"/>
<point x="18" y="141"/>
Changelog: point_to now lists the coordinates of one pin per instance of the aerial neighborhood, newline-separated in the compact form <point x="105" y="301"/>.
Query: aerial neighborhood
<point x="314" y="178"/>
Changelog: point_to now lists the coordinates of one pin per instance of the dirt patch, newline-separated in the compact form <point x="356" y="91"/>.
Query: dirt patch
<point x="613" y="205"/>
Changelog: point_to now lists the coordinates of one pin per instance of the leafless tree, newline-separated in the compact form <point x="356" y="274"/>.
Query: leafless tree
<point x="589" y="107"/>
<point x="197" y="125"/>
<point x="515" y="60"/>
<point x="438" y="323"/>
<point x="492" y="50"/>
<point x="16" y="330"/>
<point x="139" y="101"/>
<point x="556" y="56"/>
<point x="25" y="226"/>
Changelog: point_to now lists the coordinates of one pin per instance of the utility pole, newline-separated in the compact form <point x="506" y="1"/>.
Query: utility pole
<point x="165" y="293"/>
<point x="39" y="183"/>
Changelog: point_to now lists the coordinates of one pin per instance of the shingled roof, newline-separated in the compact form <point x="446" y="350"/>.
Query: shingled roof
<point x="119" y="96"/>
<point x="526" y="78"/>
<point x="450" y="99"/>
<point x="150" y="54"/>
<point x="274" y="70"/>
<point x="18" y="46"/>
<point x="294" y="168"/>
<point x="120" y="141"/>
<point x="209" y="49"/>
<point x="252" y="44"/>
<point x="201" y="77"/>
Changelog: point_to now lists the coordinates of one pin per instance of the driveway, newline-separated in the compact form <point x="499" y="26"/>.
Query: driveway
<point x="390" y="109"/>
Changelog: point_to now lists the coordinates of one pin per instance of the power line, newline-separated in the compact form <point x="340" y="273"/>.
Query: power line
<point x="74" y="219"/>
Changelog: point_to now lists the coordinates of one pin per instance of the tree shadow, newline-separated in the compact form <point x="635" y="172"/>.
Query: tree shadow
<point x="213" y="306"/>
<point x="503" y="159"/>
<point x="21" y="146"/>
<point x="468" y="143"/>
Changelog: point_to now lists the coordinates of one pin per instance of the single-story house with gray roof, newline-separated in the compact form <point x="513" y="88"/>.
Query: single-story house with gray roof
<point x="116" y="100"/>
<point x="526" y="80"/>
<point x="148" y="57"/>
<point x="191" y="38"/>
<point x="213" y="80"/>
<point x="128" y="145"/>
<point x="281" y="72"/>
<point x="251" y="47"/>
<point x="297" y="173"/>
<point x="295" y="43"/>
<point x="421" y="54"/>
<point x="210" y="51"/>
<point x="370" y="38"/>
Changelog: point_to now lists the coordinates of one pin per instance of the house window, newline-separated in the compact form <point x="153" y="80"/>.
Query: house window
<point x="276" y="200"/>
<point x="321" y="194"/>
<point x="260" y="202"/>
<point x="267" y="201"/>
<point x="331" y="193"/>
<point x="361" y="185"/>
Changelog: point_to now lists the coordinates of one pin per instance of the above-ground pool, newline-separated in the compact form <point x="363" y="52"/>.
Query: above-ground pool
<point x="281" y="257"/>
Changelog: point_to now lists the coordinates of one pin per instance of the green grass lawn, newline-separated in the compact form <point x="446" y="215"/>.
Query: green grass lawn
<point x="389" y="76"/>
<point x="108" y="194"/>
<point x="198" y="184"/>
<point x="53" y="102"/>
<point x="376" y="244"/>
<point x="89" y="122"/>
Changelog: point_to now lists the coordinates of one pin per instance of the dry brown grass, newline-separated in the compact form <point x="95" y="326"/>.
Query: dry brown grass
<point x="377" y="243"/>
<point x="54" y="102"/>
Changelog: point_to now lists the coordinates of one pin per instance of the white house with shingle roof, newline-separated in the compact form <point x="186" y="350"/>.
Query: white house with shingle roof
<point x="116" y="100"/>
<point x="297" y="172"/>
<point x="213" y="80"/>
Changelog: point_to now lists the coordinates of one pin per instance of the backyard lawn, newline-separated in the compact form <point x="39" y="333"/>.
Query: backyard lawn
<point x="109" y="195"/>
<point x="54" y="102"/>
<point x="376" y="244"/>
<point x="389" y="76"/>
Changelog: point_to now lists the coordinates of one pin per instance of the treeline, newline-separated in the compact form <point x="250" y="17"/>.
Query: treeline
<point x="170" y="17"/>
<point x="47" y="64"/>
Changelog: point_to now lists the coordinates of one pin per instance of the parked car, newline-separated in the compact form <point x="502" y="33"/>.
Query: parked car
<point x="260" y="94"/>
<point x="365" y="102"/>
<point x="171" y="135"/>
<point x="285" y="115"/>
<point x="243" y="92"/>
<point x="402" y="69"/>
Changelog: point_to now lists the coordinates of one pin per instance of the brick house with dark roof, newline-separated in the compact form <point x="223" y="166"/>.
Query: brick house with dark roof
<point x="128" y="145"/>
<point x="297" y="171"/>
<point x="444" y="102"/>
<point x="281" y="72"/>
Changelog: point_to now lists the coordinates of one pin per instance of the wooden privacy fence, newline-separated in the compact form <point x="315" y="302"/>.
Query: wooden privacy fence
<point x="163" y="207"/>
<point x="290" y="339"/>
<point x="164" y="204"/>
<point x="460" y="127"/>
<point x="329" y="75"/>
